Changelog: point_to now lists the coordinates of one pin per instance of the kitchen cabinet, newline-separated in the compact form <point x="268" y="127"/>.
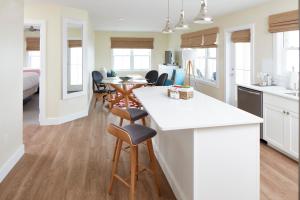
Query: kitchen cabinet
<point x="281" y="129"/>
<point x="293" y="126"/>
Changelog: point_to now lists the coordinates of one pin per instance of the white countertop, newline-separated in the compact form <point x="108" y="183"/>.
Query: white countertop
<point x="201" y="111"/>
<point x="275" y="90"/>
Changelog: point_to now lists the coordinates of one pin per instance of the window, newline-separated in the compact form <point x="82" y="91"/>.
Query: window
<point x="205" y="64"/>
<point x="33" y="59"/>
<point x="75" y="60"/>
<point x="242" y="63"/>
<point x="131" y="59"/>
<point x="287" y="52"/>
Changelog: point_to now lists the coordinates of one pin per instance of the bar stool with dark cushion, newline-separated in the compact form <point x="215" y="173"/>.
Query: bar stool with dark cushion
<point x="130" y="114"/>
<point x="133" y="134"/>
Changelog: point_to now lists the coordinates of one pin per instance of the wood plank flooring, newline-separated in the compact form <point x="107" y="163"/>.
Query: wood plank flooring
<point x="73" y="162"/>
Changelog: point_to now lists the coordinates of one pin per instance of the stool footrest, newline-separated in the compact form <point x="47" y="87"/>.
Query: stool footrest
<point x="122" y="180"/>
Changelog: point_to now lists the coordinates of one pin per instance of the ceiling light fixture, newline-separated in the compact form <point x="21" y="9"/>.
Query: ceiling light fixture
<point x="181" y="24"/>
<point x="202" y="17"/>
<point x="168" y="28"/>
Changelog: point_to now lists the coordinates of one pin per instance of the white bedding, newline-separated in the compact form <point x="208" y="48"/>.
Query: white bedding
<point x="30" y="83"/>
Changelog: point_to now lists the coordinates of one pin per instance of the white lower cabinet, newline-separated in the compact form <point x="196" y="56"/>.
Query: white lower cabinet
<point x="281" y="124"/>
<point x="293" y="129"/>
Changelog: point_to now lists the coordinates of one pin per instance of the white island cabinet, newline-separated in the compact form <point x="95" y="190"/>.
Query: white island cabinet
<point x="207" y="149"/>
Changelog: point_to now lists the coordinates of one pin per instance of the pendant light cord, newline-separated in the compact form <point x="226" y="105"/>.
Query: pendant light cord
<point x="168" y="9"/>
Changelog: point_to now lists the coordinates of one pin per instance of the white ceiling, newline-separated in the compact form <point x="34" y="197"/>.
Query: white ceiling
<point x="146" y="15"/>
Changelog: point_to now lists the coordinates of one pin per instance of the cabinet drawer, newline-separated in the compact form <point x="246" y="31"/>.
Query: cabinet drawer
<point x="284" y="103"/>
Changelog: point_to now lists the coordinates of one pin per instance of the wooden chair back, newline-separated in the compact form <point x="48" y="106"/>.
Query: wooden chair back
<point x="119" y="133"/>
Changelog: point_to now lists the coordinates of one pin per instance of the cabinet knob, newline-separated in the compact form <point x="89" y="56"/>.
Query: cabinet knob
<point x="284" y="112"/>
<point x="287" y="113"/>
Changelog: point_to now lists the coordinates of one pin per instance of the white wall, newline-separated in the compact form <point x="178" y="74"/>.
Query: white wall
<point x="103" y="50"/>
<point x="56" y="107"/>
<point x="263" y="39"/>
<point x="11" y="83"/>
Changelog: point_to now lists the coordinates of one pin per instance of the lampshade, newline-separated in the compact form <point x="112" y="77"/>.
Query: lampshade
<point x="202" y="17"/>
<point x="181" y="24"/>
<point x="167" y="28"/>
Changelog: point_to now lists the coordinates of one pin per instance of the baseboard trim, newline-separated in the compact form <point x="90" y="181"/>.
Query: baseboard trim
<point x="64" y="119"/>
<point x="170" y="177"/>
<point x="11" y="162"/>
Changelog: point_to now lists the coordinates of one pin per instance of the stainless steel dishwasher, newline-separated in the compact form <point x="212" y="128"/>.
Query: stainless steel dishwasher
<point x="251" y="101"/>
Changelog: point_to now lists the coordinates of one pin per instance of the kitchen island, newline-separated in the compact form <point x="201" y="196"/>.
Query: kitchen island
<point x="207" y="149"/>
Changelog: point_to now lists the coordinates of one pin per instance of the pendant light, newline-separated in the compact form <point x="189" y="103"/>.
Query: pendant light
<point x="168" y="28"/>
<point x="181" y="24"/>
<point x="202" y="17"/>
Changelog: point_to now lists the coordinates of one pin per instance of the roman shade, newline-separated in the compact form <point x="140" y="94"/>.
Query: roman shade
<point x="288" y="21"/>
<point x="201" y="39"/>
<point x="131" y="43"/>
<point x="32" y="44"/>
<point x="241" y="36"/>
<point x="210" y="38"/>
<point x="74" y="43"/>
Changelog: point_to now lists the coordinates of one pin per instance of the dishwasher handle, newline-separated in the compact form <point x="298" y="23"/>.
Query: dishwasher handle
<point x="249" y="91"/>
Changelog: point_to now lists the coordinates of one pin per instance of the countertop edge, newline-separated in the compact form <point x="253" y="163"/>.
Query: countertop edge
<point x="265" y="90"/>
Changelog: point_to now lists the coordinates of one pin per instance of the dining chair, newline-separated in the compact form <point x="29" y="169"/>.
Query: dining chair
<point x="172" y="80"/>
<point x="99" y="89"/>
<point x="161" y="79"/>
<point x="151" y="76"/>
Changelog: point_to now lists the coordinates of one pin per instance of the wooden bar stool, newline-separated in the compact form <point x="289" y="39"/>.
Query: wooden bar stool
<point x="133" y="134"/>
<point x="130" y="114"/>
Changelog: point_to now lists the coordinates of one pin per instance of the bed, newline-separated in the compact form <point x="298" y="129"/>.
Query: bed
<point x="30" y="82"/>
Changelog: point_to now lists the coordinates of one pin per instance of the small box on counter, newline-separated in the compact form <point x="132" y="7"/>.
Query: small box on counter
<point x="180" y="92"/>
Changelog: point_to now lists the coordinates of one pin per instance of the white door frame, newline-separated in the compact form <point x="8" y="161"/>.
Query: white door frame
<point x="42" y="84"/>
<point x="228" y="56"/>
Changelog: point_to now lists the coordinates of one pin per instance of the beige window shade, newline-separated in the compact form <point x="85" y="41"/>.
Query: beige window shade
<point x="210" y="37"/>
<point x="200" y="39"/>
<point x="32" y="44"/>
<point x="74" y="43"/>
<point x="132" y="43"/>
<point x="288" y="21"/>
<point x="241" y="36"/>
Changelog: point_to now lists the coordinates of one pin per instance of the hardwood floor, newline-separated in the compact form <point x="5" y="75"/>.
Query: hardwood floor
<point x="278" y="175"/>
<point x="73" y="162"/>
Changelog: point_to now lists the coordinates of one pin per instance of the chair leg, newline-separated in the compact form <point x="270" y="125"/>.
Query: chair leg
<point x="137" y="163"/>
<point x="96" y="99"/>
<point x="114" y="156"/>
<point x="115" y="150"/>
<point x="103" y="98"/>
<point x="115" y="166"/>
<point x="133" y="150"/>
<point x="153" y="164"/>
<point x="144" y="121"/>
<point x="121" y="122"/>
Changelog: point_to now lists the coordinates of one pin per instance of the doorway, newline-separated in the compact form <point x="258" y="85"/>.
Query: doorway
<point x="239" y="50"/>
<point x="34" y="72"/>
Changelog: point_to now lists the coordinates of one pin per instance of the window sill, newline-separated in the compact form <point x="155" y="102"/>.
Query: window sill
<point x="205" y="82"/>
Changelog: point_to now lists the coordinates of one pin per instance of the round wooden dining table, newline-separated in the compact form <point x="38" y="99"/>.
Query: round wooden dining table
<point x="124" y="89"/>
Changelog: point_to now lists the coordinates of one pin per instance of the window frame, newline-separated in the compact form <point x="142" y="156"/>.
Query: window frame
<point x="28" y="59"/>
<point x="131" y="61"/>
<point x="205" y="80"/>
<point x="239" y="69"/>
<point x="279" y="52"/>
